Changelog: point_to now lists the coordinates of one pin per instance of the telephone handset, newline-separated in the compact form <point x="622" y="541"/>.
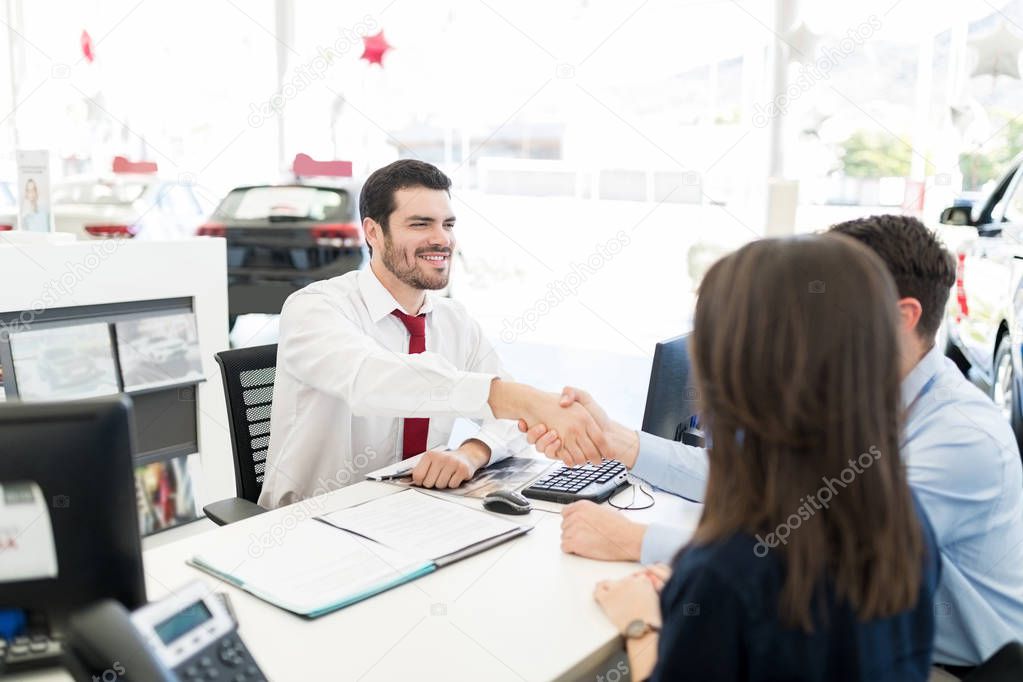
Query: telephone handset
<point x="188" y="637"/>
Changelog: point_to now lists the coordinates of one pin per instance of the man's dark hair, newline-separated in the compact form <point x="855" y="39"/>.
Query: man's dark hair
<point x="377" y="198"/>
<point x="921" y="266"/>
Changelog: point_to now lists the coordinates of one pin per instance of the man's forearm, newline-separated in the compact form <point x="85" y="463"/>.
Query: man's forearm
<point x="508" y="399"/>
<point x="624" y="443"/>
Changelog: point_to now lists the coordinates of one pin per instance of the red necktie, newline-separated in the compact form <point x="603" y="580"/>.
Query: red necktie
<point x="416" y="428"/>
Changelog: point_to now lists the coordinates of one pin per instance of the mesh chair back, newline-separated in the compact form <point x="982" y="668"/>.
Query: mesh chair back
<point x="248" y="375"/>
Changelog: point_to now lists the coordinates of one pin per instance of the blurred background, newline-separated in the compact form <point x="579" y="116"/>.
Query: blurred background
<point x="602" y="153"/>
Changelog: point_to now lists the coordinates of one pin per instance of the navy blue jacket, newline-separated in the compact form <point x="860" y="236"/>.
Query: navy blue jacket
<point x="721" y="622"/>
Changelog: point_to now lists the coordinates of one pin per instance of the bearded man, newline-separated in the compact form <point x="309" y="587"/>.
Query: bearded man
<point x="373" y="367"/>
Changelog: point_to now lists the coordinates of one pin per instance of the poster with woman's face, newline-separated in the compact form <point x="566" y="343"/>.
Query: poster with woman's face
<point x="34" y="190"/>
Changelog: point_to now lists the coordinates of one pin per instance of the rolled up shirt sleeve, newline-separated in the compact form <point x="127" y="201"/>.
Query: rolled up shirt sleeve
<point x="671" y="466"/>
<point x="324" y="349"/>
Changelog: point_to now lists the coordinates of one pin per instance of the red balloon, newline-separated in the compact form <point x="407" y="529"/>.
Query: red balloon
<point x="87" y="52"/>
<point x="374" y="48"/>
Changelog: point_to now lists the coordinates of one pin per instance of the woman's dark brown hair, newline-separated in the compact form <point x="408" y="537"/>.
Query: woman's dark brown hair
<point x="796" y="357"/>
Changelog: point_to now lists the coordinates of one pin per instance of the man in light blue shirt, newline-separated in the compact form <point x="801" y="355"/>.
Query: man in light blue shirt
<point x="962" y="461"/>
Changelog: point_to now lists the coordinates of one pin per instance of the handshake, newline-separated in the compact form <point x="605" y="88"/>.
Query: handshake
<point x="575" y="429"/>
<point x="571" y="427"/>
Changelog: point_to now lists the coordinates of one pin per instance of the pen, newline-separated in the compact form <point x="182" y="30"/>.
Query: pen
<point x="404" y="473"/>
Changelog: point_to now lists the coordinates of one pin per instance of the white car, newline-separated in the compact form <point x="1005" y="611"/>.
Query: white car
<point x="127" y="205"/>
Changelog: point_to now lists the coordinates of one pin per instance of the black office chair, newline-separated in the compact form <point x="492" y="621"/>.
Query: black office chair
<point x="671" y="399"/>
<point x="248" y="375"/>
<point x="1005" y="665"/>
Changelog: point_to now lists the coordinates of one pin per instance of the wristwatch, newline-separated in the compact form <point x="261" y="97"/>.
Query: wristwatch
<point x="638" y="628"/>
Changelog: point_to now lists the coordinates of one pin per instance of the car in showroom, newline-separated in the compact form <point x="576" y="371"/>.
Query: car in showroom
<point x="281" y="237"/>
<point x="132" y="202"/>
<point x="984" y="320"/>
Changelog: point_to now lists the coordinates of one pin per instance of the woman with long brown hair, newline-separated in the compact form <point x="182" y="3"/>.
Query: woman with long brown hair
<point x="812" y="560"/>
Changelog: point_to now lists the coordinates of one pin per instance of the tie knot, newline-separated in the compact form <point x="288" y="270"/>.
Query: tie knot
<point x="415" y="324"/>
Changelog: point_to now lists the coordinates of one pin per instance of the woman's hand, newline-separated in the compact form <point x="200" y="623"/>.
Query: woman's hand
<point x="628" y="599"/>
<point x="658" y="575"/>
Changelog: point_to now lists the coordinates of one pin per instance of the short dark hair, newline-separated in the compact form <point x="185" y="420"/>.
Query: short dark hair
<point x="920" y="265"/>
<point x="377" y="198"/>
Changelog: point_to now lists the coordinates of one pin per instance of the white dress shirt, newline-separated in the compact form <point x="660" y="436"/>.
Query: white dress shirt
<point x="345" y="382"/>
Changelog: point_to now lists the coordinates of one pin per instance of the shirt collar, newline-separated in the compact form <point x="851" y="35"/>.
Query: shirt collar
<point x="379" y="300"/>
<point x="928" y="366"/>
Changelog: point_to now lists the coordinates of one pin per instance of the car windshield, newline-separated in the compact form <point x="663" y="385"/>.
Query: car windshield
<point x="98" y="192"/>
<point x="285" y="203"/>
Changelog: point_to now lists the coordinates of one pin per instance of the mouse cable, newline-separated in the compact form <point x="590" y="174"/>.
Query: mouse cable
<point x="635" y="484"/>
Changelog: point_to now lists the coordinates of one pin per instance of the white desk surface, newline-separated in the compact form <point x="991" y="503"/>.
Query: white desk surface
<point x="520" y="611"/>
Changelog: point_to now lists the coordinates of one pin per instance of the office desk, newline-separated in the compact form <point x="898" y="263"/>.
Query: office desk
<point x="521" y="611"/>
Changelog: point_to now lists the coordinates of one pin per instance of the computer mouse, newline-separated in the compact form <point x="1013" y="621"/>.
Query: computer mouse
<point x="506" y="502"/>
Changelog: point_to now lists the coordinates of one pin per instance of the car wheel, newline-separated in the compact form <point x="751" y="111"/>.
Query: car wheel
<point x="1004" y="391"/>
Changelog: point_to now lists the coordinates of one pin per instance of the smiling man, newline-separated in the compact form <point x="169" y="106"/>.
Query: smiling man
<point x="372" y="367"/>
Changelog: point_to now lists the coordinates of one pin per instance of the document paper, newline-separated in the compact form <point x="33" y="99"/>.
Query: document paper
<point x="420" y="525"/>
<point x="312" y="570"/>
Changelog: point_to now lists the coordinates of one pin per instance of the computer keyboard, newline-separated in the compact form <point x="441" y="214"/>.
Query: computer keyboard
<point x="32" y="652"/>
<point x="587" y="482"/>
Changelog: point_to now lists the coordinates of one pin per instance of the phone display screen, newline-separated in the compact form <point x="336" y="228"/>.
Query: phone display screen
<point x="183" y="622"/>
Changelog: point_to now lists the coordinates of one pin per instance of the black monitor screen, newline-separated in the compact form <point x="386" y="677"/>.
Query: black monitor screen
<point x="80" y="456"/>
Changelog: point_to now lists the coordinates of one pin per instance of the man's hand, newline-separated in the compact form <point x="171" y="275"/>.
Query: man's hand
<point x="622" y="442"/>
<point x="450" y="468"/>
<point x="598" y="532"/>
<point x="582" y="440"/>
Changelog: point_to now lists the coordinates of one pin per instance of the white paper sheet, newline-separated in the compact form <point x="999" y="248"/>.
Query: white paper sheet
<point x="309" y="567"/>
<point x="420" y="525"/>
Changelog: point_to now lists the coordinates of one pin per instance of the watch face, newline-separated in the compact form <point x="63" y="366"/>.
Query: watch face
<point x="636" y="628"/>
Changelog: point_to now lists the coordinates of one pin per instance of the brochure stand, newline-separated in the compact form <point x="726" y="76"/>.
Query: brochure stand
<point x="144" y="318"/>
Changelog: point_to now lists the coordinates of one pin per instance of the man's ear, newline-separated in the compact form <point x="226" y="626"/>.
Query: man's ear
<point x="374" y="233"/>
<point x="910" y="311"/>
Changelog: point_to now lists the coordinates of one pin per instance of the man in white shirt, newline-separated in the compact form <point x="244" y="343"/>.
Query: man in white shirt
<point x="373" y="368"/>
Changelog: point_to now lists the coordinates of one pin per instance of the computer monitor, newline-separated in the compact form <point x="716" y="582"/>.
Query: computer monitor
<point x="672" y="403"/>
<point x="80" y="455"/>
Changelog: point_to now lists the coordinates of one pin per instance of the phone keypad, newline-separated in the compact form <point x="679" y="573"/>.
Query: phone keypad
<point x="28" y="652"/>
<point x="227" y="660"/>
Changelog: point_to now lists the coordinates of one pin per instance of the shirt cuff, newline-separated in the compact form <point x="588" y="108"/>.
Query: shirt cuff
<point x="503" y="438"/>
<point x="652" y="460"/>
<point x="498" y="448"/>
<point x="661" y="543"/>
<point x="470" y="396"/>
